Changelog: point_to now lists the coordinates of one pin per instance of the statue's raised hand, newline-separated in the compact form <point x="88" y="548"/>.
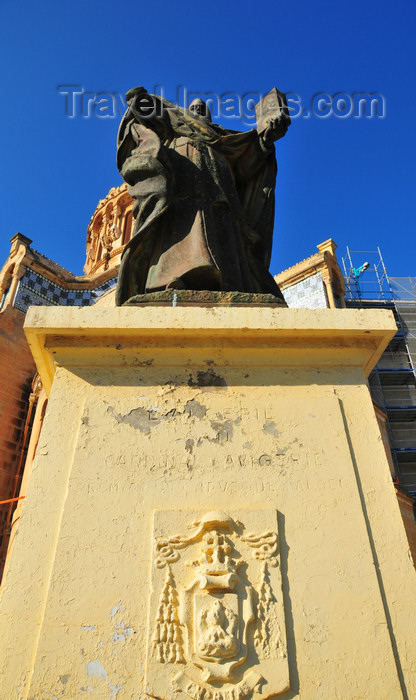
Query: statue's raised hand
<point x="275" y="129"/>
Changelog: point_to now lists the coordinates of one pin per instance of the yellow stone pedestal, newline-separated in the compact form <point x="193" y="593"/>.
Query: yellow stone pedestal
<point x="210" y="513"/>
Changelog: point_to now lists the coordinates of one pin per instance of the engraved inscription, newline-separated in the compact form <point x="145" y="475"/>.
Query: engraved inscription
<point x="197" y="691"/>
<point x="222" y="463"/>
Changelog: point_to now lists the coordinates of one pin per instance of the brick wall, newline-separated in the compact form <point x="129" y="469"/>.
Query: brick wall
<point x="17" y="369"/>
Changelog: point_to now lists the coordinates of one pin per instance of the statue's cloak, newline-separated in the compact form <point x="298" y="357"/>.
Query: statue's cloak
<point x="202" y="194"/>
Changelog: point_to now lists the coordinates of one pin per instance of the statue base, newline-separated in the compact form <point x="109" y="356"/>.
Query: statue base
<point x="210" y="512"/>
<point x="205" y="298"/>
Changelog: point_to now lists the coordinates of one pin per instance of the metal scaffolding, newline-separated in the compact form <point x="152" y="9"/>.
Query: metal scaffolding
<point x="393" y="381"/>
<point x="366" y="276"/>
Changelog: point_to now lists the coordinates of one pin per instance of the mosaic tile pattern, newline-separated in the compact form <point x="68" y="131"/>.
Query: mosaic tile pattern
<point x="35" y="290"/>
<point x="307" y="294"/>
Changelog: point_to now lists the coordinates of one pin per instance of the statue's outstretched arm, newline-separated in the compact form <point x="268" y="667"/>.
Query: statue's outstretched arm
<point x="276" y="129"/>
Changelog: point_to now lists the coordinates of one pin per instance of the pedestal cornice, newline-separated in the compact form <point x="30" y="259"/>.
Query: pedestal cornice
<point x="82" y="336"/>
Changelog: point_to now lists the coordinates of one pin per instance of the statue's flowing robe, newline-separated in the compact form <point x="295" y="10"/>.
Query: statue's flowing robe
<point x="203" y="205"/>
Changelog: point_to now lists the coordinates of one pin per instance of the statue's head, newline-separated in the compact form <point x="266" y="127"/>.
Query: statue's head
<point x="200" y="107"/>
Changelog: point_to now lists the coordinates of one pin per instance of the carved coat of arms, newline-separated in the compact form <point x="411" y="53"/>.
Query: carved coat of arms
<point x="216" y="626"/>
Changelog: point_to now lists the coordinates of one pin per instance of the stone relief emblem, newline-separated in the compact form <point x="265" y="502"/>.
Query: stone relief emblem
<point x="216" y="626"/>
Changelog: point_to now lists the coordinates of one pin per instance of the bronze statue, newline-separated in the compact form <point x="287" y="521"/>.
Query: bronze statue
<point x="203" y="199"/>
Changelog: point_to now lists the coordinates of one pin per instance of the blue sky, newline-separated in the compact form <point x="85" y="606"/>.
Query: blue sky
<point x="352" y="179"/>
